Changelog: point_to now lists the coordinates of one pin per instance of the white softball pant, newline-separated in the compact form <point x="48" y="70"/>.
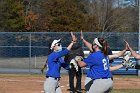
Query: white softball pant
<point x="88" y="83"/>
<point x="51" y="85"/>
<point x="101" y="86"/>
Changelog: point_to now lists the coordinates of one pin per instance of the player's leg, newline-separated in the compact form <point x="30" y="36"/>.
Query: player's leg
<point x="78" y="80"/>
<point x="71" y="79"/>
<point x="101" y="86"/>
<point x="50" y="85"/>
<point x="58" y="89"/>
<point x="88" y="83"/>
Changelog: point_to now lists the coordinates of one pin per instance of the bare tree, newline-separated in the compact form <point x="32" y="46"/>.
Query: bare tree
<point x="102" y="11"/>
<point x="112" y="15"/>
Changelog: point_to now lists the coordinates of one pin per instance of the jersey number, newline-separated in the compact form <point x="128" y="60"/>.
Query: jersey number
<point x="105" y="64"/>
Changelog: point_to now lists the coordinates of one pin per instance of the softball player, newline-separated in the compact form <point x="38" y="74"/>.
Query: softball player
<point x="98" y="61"/>
<point x="88" y="80"/>
<point x="55" y="62"/>
<point x="75" y="70"/>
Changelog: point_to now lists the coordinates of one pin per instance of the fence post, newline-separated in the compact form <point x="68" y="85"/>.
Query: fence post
<point x="30" y="53"/>
<point x="138" y="62"/>
<point x="35" y="62"/>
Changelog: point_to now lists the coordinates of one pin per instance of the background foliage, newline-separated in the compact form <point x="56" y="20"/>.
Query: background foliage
<point x="68" y="15"/>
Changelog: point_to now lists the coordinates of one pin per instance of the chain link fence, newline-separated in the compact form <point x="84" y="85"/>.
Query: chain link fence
<point x="28" y="51"/>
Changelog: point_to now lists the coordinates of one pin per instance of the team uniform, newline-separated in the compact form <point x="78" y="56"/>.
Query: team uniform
<point x="55" y="62"/>
<point x="99" y="73"/>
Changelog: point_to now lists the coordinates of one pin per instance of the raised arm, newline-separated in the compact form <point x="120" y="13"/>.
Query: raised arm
<point x="136" y="55"/>
<point x="70" y="45"/>
<point x="73" y="37"/>
<point x="89" y="45"/>
<point x="116" y="55"/>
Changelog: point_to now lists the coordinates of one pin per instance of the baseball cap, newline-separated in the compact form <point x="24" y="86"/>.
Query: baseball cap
<point x="97" y="42"/>
<point x="55" y="42"/>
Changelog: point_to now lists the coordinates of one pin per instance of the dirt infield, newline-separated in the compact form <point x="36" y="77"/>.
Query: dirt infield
<point x="11" y="83"/>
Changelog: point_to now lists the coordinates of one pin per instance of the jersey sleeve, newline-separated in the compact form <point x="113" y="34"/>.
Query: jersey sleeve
<point x="62" y="53"/>
<point x="64" y="64"/>
<point x="56" y="55"/>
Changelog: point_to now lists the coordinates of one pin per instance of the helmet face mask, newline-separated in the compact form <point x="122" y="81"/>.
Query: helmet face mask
<point x="59" y="48"/>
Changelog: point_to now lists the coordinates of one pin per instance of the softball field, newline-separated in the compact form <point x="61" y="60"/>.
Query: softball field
<point x="21" y="83"/>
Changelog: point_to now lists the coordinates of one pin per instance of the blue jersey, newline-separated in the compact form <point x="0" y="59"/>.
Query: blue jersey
<point x="55" y="62"/>
<point x="99" y="65"/>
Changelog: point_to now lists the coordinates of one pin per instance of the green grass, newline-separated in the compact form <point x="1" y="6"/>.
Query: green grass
<point x="126" y="91"/>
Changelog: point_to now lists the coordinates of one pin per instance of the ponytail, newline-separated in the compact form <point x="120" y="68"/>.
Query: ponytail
<point x="104" y="47"/>
<point x="49" y="49"/>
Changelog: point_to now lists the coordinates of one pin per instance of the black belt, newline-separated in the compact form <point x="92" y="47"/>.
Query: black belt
<point x="55" y="78"/>
<point x="103" y="78"/>
<point x="107" y="78"/>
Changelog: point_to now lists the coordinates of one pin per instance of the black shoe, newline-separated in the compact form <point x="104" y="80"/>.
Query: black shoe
<point x="78" y="91"/>
<point x="72" y="92"/>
